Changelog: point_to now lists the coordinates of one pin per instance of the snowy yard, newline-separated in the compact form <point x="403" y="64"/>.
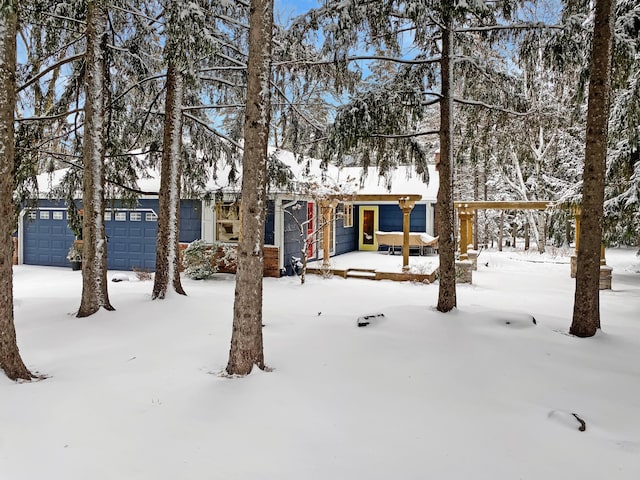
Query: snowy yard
<point x="479" y="393"/>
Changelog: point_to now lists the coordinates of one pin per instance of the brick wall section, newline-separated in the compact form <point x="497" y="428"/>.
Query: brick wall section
<point x="271" y="261"/>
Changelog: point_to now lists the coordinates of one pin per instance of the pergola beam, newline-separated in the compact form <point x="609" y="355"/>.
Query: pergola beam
<point x="506" y="205"/>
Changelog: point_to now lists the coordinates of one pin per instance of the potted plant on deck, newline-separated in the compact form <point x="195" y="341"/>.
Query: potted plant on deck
<point x="75" y="256"/>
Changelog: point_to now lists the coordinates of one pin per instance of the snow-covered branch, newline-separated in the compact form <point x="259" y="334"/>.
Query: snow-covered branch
<point x="59" y="63"/>
<point x="213" y="130"/>
<point x="478" y="103"/>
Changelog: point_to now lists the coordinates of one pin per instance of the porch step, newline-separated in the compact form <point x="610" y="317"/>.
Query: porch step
<point x="368" y="273"/>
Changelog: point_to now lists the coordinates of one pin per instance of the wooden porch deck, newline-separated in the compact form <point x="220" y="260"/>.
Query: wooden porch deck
<point x="379" y="266"/>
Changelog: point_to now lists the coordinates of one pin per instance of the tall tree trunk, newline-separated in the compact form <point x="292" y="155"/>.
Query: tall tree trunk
<point x="10" y="360"/>
<point x="167" y="246"/>
<point x="94" y="253"/>
<point x="446" y="244"/>
<point x="246" y="340"/>
<point x="586" y="306"/>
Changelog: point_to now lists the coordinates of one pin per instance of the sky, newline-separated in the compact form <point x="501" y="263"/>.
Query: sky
<point x="478" y="393"/>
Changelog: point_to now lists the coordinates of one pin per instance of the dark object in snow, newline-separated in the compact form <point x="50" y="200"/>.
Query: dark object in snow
<point x="486" y="264"/>
<point x="319" y="313"/>
<point x="366" y="319"/>
<point x="534" y="320"/>
<point x="583" y="425"/>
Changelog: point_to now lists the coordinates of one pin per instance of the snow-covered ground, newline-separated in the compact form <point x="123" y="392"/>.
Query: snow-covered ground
<point x="478" y="393"/>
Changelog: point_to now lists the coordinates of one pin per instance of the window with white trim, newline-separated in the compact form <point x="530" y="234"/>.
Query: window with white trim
<point x="31" y="215"/>
<point x="347" y="215"/>
<point x="150" y="217"/>
<point x="135" y="216"/>
<point x="44" y="214"/>
<point x="107" y="216"/>
<point x="121" y="216"/>
<point x="228" y="222"/>
<point x="58" y="215"/>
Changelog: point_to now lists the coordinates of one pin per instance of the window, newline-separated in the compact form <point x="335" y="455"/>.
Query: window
<point x="347" y="215"/>
<point x="135" y="216"/>
<point x="228" y="222"/>
<point x="32" y="215"/>
<point x="107" y="216"/>
<point x="58" y="215"/>
<point x="121" y="216"/>
<point x="150" y="217"/>
<point x="44" y="215"/>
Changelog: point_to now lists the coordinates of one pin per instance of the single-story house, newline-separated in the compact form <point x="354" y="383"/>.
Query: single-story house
<point x="371" y="205"/>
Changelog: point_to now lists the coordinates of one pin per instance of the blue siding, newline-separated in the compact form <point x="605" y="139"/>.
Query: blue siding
<point x="190" y="220"/>
<point x="292" y="240"/>
<point x="270" y="224"/>
<point x="346" y="237"/>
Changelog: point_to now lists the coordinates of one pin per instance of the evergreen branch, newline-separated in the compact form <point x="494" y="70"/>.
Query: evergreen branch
<point x="232" y="21"/>
<point x="59" y="17"/>
<point x="415" y="61"/>
<point x="50" y="117"/>
<point x="137" y="84"/>
<point x="403" y="135"/>
<point x="221" y="80"/>
<point x="41" y="74"/>
<point x="207" y="107"/>
<point x="213" y="130"/>
<point x="136" y="13"/>
<point x="478" y="103"/>
<point x="515" y="26"/>
<point x="146" y="117"/>
<point x="302" y="115"/>
<point x="227" y="67"/>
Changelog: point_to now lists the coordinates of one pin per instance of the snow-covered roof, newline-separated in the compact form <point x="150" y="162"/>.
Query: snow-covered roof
<point x="402" y="180"/>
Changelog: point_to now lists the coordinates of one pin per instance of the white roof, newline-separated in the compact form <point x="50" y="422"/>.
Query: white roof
<point x="400" y="181"/>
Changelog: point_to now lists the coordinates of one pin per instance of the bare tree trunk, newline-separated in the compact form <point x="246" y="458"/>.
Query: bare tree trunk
<point x="586" y="307"/>
<point x="246" y="339"/>
<point x="446" y="244"/>
<point x="167" y="245"/>
<point x="94" y="254"/>
<point x="10" y="360"/>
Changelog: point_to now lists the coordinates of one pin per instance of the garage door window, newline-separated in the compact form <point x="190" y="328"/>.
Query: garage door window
<point x="121" y="216"/>
<point x="58" y="215"/>
<point x="44" y="215"/>
<point x="150" y="217"/>
<point x="135" y="216"/>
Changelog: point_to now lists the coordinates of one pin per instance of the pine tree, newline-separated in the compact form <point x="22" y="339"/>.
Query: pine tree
<point x="246" y="340"/>
<point x="586" y="308"/>
<point x="10" y="360"/>
<point x="94" y="264"/>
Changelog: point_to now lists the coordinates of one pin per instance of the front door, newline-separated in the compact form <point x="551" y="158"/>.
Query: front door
<point x="368" y="227"/>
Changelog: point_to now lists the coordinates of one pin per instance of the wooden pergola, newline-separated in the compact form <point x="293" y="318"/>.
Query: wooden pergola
<point x="405" y="202"/>
<point x="467" y="211"/>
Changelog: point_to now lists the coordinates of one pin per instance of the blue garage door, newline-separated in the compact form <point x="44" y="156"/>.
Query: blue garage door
<point x="46" y="237"/>
<point x="131" y="239"/>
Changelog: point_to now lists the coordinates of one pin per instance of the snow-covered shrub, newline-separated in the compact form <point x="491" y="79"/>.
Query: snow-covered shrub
<point x="202" y="261"/>
<point x="198" y="261"/>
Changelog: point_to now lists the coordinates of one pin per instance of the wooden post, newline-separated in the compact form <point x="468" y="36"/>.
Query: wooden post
<point x="470" y="221"/>
<point x="603" y="260"/>
<point x="464" y="231"/>
<point x="406" y="205"/>
<point x="325" y="210"/>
